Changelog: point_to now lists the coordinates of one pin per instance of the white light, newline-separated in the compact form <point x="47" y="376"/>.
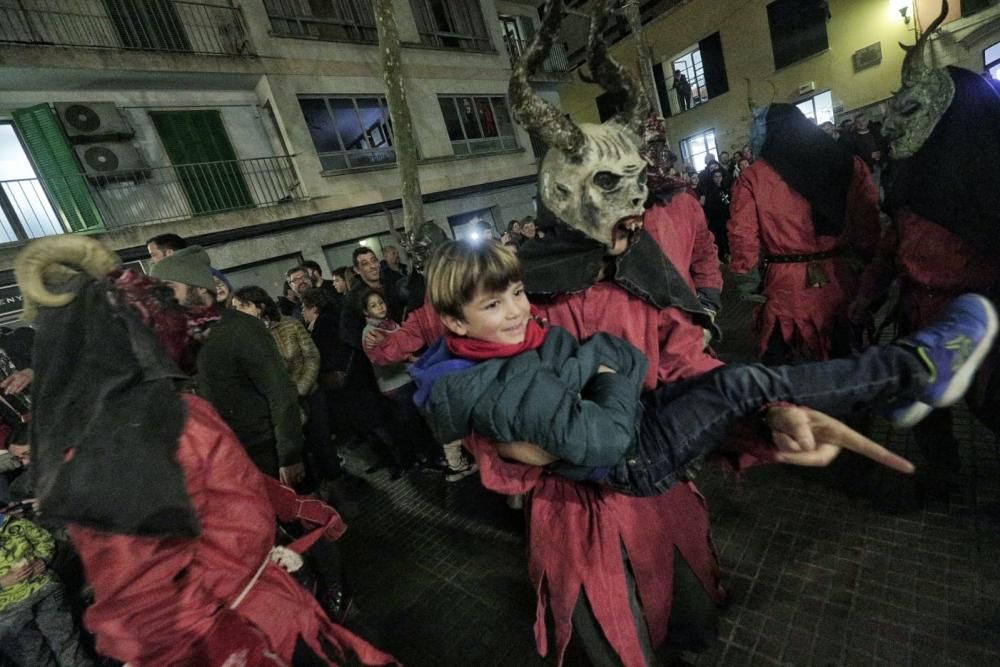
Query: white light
<point x="474" y="236"/>
<point x="364" y="243"/>
<point x="901" y="8"/>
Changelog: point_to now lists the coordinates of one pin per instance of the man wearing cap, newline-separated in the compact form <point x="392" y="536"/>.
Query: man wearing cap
<point x="240" y="371"/>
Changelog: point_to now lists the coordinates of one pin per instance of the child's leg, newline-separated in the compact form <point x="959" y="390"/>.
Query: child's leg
<point x="55" y="621"/>
<point x="684" y="421"/>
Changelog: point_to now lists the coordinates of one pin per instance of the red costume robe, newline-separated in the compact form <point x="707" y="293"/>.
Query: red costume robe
<point x="167" y="601"/>
<point x="576" y="531"/>
<point x="767" y="217"/>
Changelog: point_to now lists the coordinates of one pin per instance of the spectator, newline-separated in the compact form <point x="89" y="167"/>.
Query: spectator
<point x="716" y="203"/>
<point x="340" y="283"/>
<point x="240" y="372"/>
<point x="683" y="89"/>
<point x="315" y="272"/>
<point x="705" y="177"/>
<point x="289" y="301"/>
<point x="36" y="625"/>
<point x="529" y="230"/>
<point x="830" y="129"/>
<point x="397" y="386"/>
<point x="299" y="279"/>
<point x="514" y="233"/>
<point x="391" y="262"/>
<point x="741" y="165"/>
<point x="223" y="288"/>
<point x="867" y="143"/>
<point x="164" y="245"/>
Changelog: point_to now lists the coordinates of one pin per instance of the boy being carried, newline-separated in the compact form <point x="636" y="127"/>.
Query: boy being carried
<point x="501" y="374"/>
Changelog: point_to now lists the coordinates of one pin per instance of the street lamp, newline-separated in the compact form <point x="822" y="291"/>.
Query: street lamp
<point x="904" y="8"/>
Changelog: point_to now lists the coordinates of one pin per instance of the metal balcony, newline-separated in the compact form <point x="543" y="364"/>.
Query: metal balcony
<point x="555" y="63"/>
<point x="173" y="26"/>
<point x="34" y="207"/>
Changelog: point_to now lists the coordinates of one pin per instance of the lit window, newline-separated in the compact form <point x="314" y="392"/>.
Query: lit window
<point x="991" y="58"/>
<point x="478" y="124"/>
<point x="349" y="132"/>
<point x="695" y="150"/>
<point x="818" y="108"/>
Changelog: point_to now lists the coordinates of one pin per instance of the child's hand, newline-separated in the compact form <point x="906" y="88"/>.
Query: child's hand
<point x="373" y="339"/>
<point x="22" y="572"/>
<point x="605" y="369"/>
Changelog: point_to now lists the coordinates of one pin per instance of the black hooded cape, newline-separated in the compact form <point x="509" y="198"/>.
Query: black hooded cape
<point x="811" y="163"/>
<point x="107" y="420"/>
<point x="954" y="179"/>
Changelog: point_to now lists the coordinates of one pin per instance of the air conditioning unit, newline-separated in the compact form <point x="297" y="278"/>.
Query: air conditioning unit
<point x="807" y="87"/>
<point x="107" y="162"/>
<point x="93" y="121"/>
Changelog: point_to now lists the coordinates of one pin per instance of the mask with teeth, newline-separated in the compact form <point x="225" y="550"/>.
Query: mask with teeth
<point x="593" y="177"/>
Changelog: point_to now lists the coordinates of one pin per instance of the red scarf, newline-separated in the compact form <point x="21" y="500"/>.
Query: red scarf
<point x="481" y="350"/>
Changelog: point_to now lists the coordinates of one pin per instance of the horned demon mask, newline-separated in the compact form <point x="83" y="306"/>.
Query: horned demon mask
<point x="926" y="93"/>
<point x="593" y="177"/>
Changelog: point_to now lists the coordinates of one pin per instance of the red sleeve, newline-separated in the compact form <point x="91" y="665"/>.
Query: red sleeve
<point x="413" y="336"/>
<point x="153" y="596"/>
<point x="743" y="228"/>
<point x="705" y="267"/>
<point x="863" y="225"/>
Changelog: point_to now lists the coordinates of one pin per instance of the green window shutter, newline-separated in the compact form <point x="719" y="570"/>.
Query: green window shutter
<point x="57" y="167"/>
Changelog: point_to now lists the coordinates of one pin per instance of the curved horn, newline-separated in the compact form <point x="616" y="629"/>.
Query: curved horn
<point x="611" y="76"/>
<point x="533" y="113"/>
<point x="48" y="257"/>
<point x="914" y="58"/>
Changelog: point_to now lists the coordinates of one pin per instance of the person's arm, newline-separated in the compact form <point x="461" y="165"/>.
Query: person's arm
<point x="743" y="228"/>
<point x="704" y="269"/>
<point x="40" y="539"/>
<point x="266" y="370"/>
<point x="864" y="228"/>
<point x="411" y="337"/>
<point x="309" y="368"/>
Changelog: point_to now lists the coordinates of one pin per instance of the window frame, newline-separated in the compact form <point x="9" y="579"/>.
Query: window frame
<point x="351" y="154"/>
<point x="992" y="67"/>
<point x="815" y="111"/>
<point x="785" y="52"/>
<point x="685" y="145"/>
<point x="695" y="76"/>
<point x="432" y="35"/>
<point x="365" y="33"/>
<point x="479" y="145"/>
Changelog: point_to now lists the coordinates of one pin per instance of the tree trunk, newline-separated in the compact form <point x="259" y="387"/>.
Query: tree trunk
<point x="644" y="54"/>
<point x="399" y="111"/>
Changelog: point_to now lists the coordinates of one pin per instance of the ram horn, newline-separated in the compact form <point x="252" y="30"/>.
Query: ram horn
<point x="52" y="259"/>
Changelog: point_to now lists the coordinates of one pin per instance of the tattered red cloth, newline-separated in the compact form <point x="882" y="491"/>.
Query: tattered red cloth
<point x="171" y="601"/>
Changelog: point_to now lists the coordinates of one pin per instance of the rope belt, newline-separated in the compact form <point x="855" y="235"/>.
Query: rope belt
<point x="810" y="257"/>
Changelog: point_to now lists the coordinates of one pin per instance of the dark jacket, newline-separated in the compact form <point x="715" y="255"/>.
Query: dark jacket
<point x="552" y="396"/>
<point x="242" y="375"/>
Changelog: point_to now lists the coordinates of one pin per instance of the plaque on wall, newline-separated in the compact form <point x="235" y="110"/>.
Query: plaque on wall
<point x="869" y="56"/>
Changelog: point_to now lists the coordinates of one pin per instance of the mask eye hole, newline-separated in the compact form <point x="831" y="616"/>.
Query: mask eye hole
<point x="642" y="177"/>
<point x="606" y="180"/>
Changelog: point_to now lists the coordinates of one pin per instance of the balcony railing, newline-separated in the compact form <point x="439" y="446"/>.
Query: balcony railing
<point x="555" y="63"/>
<point x="154" y="25"/>
<point x="33" y="207"/>
<point x="346" y="20"/>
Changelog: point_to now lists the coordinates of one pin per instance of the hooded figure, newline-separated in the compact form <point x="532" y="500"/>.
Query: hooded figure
<point x="174" y="524"/>
<point x="797" y="215"/>
<point x="945" y="210"/>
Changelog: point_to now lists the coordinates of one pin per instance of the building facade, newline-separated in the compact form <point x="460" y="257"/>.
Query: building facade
<point x="257" y="128"/>
<point x="833" y="59"/>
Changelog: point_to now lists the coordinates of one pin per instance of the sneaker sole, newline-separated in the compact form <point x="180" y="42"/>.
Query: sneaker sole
<point x="459" y="476"/>
<point x="912" y="416"/>
<point x="963" y="377"/>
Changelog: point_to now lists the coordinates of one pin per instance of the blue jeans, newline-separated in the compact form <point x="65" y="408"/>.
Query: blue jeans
<point x="683" y="421"/>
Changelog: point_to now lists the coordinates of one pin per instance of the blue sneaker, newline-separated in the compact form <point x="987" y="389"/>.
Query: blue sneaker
<point x="953" y="349"/>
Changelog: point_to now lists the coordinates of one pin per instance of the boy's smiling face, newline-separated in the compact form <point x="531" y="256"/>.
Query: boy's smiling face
<point x="495" y="317"/>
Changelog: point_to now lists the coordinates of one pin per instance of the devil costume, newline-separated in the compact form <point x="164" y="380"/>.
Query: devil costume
<point x="945" y="208"/>
<point x="798" y="212"/>
<point x="173" y="522"/>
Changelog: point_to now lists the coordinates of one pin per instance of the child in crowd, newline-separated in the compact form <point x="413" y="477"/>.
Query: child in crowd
<point x="501" y="374"/>
<point x="36" y="626"/>
<point x="396" y="385"/>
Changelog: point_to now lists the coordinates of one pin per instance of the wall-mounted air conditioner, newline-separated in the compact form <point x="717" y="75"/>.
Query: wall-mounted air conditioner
<point x="110" y="162"/>
<point x="93" y="121"/>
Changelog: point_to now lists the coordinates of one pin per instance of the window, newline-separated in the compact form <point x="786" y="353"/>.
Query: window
<point x="798" y="30"/>
<point x="991" y="59"/>
<point x="25" y="211"/>
<point x="478" y="124"/>
<point x="703" y="69"/>
<point x="347" y="20"/>
<point x="349" y="132"/>
<point x="818" y="108"/>
<point x="695" y="149"/>
<point x="453" y="24"/>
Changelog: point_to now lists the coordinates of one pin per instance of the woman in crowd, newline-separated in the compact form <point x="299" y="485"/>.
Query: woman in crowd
<point x="716" y="203"/>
